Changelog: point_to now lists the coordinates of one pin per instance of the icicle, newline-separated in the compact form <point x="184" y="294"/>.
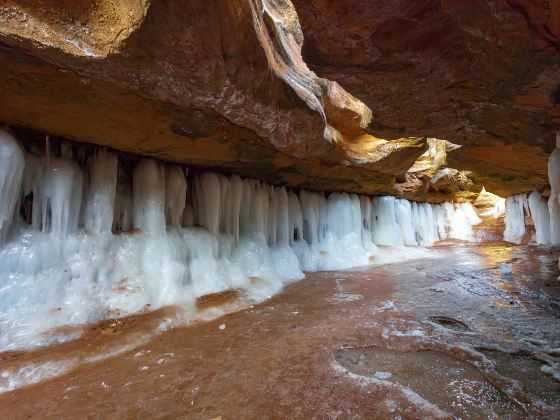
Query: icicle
<point x="225" y="205"/>
<point x="208" y="200"/>
<point x="311" y="212"/>
<point x="385" y="228"/>
<point x="404" y="220"/>
<point x="515" y="218"/>
<point x="422" y="218"/>
<point x="283" y="231"/>
<point x="175" y="194"/>
<point x="366" y="223"/>
<point x="261" y="210"/>
<point x="440" y="222"/>
<point x="12" y="163"/>
<point x="101" y="194"/>
<point x="235" y="199"/>
<point x="340" y="214"/>
<point x="272" y="217"/>
<point x="541" y="217"/>
<point x="245" y="222"/>
<point x="32" y="176"/>
<point x="554" y="200"/>
<point x="148" y="185"/>
<point x="231" y="233"/>
<point x="122" y="219"/>
<point x="61" y="197"/>
<point x="296" y="218"/>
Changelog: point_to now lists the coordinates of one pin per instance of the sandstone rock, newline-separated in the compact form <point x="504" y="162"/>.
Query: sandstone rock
<point x="286" y="92"/>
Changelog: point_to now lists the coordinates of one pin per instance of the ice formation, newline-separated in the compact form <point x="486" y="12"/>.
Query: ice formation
<point x="516" y="208"/>
<point x="538" y="208"/>
<point x="554" y="200"/>
<point x="107" y="240"/>
<point x="545" y="216"/>
<point x="12" y="163"/>
<point x="523" y="209"/>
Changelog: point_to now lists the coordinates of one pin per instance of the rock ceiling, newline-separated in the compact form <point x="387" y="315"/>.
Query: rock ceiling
<point x="365" y="96"/>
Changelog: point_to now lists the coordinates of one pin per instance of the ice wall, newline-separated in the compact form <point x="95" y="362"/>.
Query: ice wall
<point x="12" y="163"/>
<point x="554" y="200"/>
<point x="516" y="208"/>
<point x="523" y="209"/>
<point x="538" y="209"/>
<point x="106" y="239"/>
<point x="545" y="216"/>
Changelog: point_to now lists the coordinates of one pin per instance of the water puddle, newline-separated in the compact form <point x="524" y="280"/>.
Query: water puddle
<point x="525" y="368"/>
<point x="455" y="386"/>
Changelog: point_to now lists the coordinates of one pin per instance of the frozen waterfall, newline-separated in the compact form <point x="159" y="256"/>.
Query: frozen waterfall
<point x="544" y="215"/>
<point x="554" y="200"/>
<point x="523" y="210"/>
<point x="85" y="239"/>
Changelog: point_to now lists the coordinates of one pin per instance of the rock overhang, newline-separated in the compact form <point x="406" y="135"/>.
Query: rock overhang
<point x="234" y="92"/>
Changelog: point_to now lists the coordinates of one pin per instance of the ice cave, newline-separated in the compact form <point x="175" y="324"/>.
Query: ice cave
<point x="280" y="209"/>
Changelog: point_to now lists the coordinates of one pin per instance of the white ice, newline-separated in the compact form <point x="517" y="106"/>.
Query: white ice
<point x="76" y="260"/>
<point x="12" y="162"/>
<point x="554" y="200"/>
<point x="517" y="207"/>
<point x="524" y="209"/>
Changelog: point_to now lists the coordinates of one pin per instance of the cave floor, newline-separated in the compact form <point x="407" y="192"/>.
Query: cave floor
<point x="468" y="333"/>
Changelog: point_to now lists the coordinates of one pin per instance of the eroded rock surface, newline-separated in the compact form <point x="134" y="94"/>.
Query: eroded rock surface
<point x="315" y="94"/>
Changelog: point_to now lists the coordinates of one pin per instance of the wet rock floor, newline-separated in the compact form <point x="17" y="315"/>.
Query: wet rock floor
<point x="473" y="332"/>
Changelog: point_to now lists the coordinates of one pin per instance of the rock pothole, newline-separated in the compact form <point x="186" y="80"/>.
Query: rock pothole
<point x="449" y="323"/>
<point x="525" y="368"/>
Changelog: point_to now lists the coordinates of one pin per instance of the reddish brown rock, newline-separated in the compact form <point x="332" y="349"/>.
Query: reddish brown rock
<point x="286" y="94"/>
<point x="482" y="74"/>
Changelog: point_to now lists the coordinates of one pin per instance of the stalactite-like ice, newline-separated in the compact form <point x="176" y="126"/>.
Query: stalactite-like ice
<point x="520" y="210"/>
<point x="100" y="206"/>
<point x="175" y="194"/>
<point x="149" y="196"/>
<point x="546" y="218"/>
<point x="12" y="162"/>
<point x="516" y="208"/>
<point x="541" y="218"/>
<point x="61" y="196"/>
<point x="385" y="228"/>
<point x="554" y="200"/>
<point x="64" y="264"/>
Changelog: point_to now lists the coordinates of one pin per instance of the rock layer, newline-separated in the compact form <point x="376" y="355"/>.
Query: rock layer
<point x="285" y="92"/>
<point x="482" y="74"/>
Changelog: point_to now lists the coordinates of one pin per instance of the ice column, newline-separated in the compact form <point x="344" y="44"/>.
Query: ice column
<point x="404" y="220"/>
<point x="61" y="196"/>
<point x="122" y="220"/>
<point x="12" y="163"/>
<point x="516" y="207"/>
<point x="149" y="196"/>
<point x="554" y="200"/>
<point x="101" y="195"/>
<point x="32" y="179"/>
<point x="175" y="194"/>
<point x="385" y="228"/>
<point x="541" y="217"/>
